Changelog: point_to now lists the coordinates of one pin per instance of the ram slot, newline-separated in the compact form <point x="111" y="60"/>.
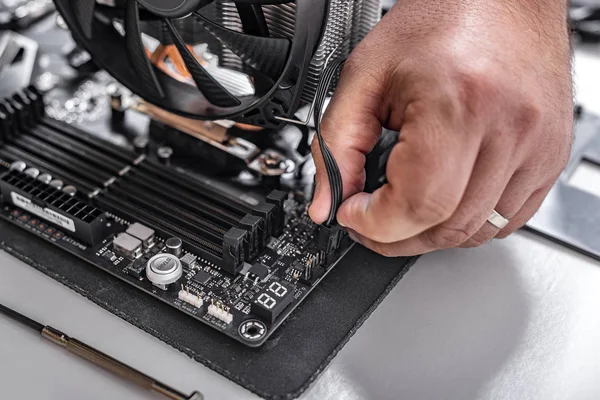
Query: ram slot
<point x="202" y="211"/>
<point x="65" y="143"/>
<point x="83" y="137"/>
<point x="79" y="160"/>
<point x="179" y="195"/>
<point x="234" y="205"/>
<point x="212" y="208"/>
<point x="65" y="161"/>
<point x="158" y="207"/>
<point x="14" y="154"/>
<point x="141" y="184"/>
<point x="228" y="256"/>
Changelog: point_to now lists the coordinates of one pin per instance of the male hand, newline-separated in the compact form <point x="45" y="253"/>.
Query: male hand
<point x="482" y="94"/>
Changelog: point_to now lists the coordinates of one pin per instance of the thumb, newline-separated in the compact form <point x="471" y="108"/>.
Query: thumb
<point x="351" y="127"/>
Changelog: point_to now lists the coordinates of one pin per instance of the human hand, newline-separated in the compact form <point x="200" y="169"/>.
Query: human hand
<point x="482" y="95"/>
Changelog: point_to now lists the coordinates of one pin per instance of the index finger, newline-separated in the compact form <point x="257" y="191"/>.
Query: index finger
<point x="428" y="171"/>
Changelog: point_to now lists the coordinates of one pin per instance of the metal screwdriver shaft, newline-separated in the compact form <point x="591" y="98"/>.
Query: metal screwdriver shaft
<point x="97" y="357"/>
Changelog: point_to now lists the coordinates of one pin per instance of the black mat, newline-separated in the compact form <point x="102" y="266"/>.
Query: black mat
<point x="290" y="360"/>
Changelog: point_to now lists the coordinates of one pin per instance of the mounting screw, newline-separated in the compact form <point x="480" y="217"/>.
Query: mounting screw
<point x="164" y="154"/>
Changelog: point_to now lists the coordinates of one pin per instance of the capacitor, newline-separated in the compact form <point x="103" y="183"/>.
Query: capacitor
<point x="70" y="190"/>
<point x="18" y="166"/>
<point x="32" y="172"/>
<point x="117" y="103"/>
<point x="164" y="270"/>
<point x="164" y="154"/>
<point x="140" y="144"/>
<point x="56" y="183"/>
<point x="46" y="178"/>
<point x="174" y="246"/>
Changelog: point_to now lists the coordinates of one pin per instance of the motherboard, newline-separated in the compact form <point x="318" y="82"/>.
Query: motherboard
<point x="240" y="264"/>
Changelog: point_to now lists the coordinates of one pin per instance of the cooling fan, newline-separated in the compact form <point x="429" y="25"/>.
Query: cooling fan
<point x="276" y="48"/>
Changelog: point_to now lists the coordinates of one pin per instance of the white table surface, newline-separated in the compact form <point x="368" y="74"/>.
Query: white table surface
<point x="515" y="319"/>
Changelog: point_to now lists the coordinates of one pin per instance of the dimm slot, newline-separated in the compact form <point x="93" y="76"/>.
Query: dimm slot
<point x="108" y="202"/>
<point x="84" y="137"/>
<point x="15" y="154"/>
<point x="157" y="207"/>
<point x="65" y="162"/>
<point x="197" y="188"/>
<point x="175" y="194"/>
<point x="170" y="202"/>
<point x="67" y="144"/>
<point x="76" y="160"/>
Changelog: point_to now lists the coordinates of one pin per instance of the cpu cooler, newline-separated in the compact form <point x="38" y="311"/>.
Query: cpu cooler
<point x="252" y="61"/>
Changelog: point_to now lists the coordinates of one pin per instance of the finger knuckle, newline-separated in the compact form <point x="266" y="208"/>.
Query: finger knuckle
<point x="529" y="116"/>
<point x="445" y="236"/>
<point x="476" y="87"/>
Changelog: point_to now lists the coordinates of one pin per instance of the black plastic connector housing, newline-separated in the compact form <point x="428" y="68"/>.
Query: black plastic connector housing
<point x="330" y="238"/>
<point x="268" y="212"/>
<point x="253" y="225"/>
<point x="80" y="220"/>
<point x="277" y="198"/>
<point x="233" y="251"/>
<point x="376" y="161"/>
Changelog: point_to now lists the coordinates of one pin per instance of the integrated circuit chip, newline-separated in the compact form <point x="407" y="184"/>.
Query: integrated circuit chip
<point x="260" y="271"/>
<point x="202" y="277"/>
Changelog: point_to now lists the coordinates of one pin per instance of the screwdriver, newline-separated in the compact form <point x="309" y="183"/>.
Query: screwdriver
<point x="99" y="358"/>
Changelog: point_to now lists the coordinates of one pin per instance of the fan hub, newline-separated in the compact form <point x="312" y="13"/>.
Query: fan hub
<point x="171" y="8"/>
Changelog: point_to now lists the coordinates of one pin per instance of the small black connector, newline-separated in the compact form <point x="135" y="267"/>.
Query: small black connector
<point x="253" y="225"/>
<point x="330" y="238"/>
<point x="268" y="213"/>
<point x="376" y="161"/>
<point x="233" y="250"/>
<point x="277" y="198"/>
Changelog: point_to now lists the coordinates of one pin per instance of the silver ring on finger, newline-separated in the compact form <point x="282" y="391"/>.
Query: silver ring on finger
<point x="497" y="220"/>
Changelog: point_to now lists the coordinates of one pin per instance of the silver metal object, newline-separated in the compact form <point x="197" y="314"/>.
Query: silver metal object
<point x="252" y="330"/>
<point x="272" y="163"/>
<point x="497" y="220"/>
<point x="163" y="269"/>
<point x="46" y="178"/>
<point x="164" y="154"/>
<point x="70" y="190"/>
<point x="126" y="245"/>
<point x="143" y="233"/>
<point x="174" y="246"/>
<point x="32" y="172"/>
<point x="18" y="166"/>
<point x="56" y="183"/>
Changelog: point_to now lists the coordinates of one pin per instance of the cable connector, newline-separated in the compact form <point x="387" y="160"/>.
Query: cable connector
<point x="330" y="238"/>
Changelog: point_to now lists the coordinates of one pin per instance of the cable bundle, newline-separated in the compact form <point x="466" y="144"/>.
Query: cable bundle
<point x="333" y="171"/>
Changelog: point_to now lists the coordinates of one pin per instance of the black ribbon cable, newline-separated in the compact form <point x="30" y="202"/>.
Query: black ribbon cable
<point x="333" y="171"/>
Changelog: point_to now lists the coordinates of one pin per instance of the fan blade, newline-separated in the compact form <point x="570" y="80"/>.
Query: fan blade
<point x="265" y="54"/>
<point x="84" y="11"/>
<point x="253" y="19"/>
<point x="136" y="51"/>
<point x="212" y="90"/>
